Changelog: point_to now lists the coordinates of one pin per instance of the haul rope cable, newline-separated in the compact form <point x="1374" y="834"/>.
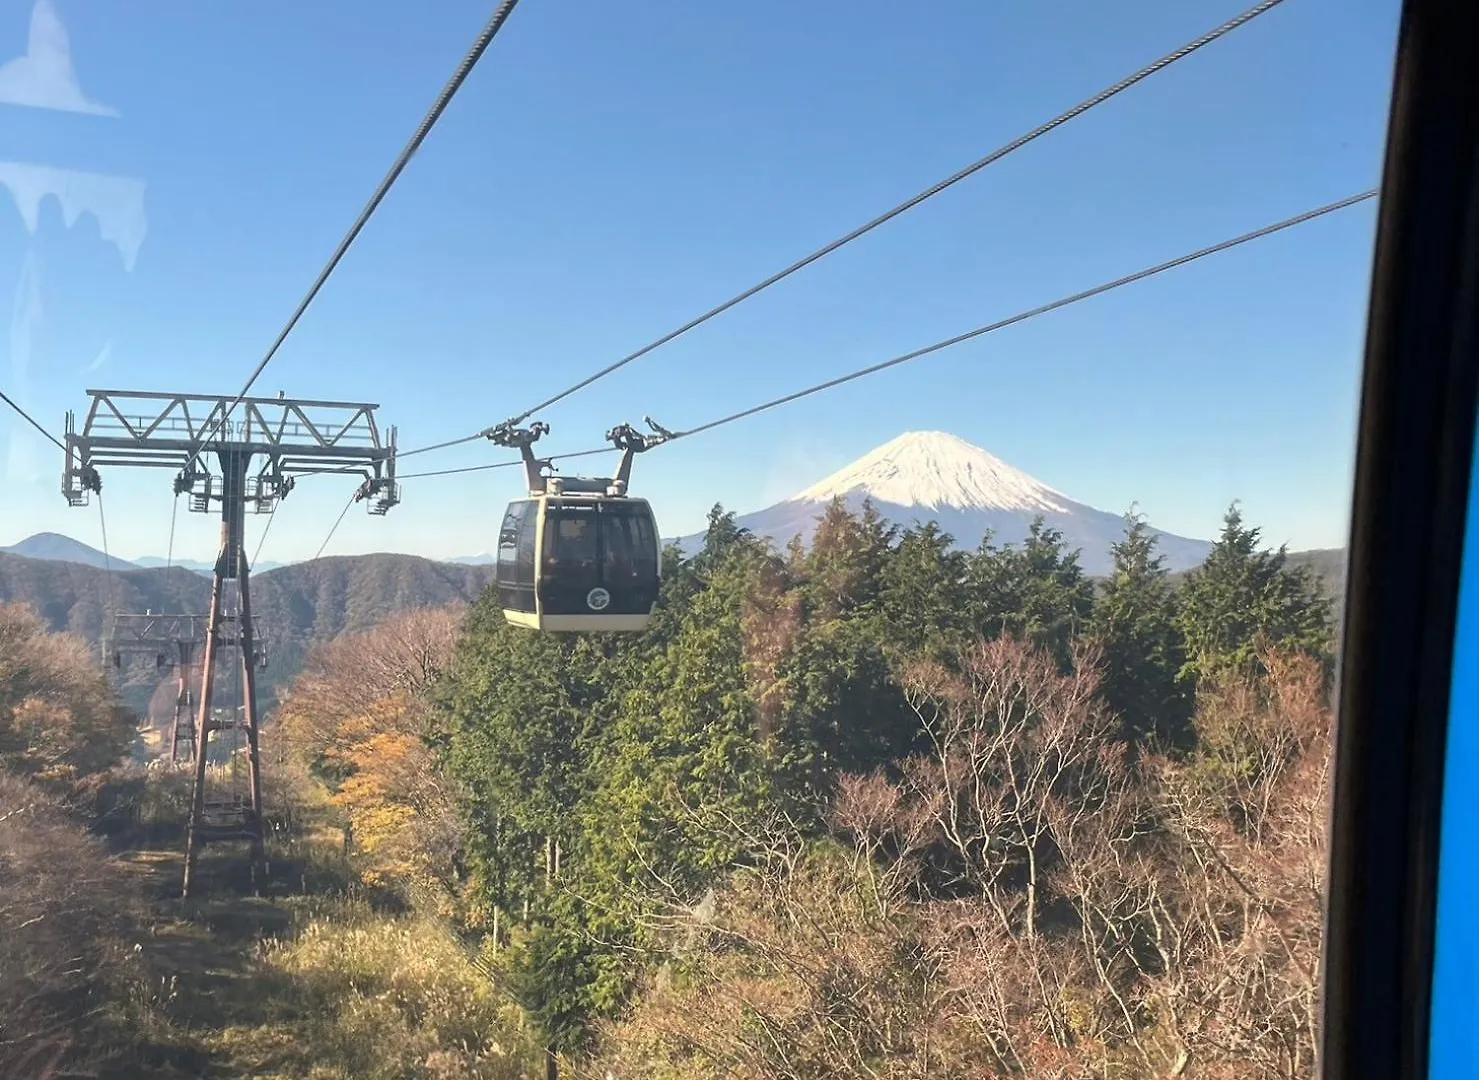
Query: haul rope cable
<point x="465" y="468"/>
<point x="506" y="464"/>
<point x="445" y="472"/>
<point x="107" y="572"/>
<point x="500" y="16"/>
<point x="996" y="155"/>
<point x="263" y="538"/>
<point x="28" y="418"/>
<point x="169" y="555"/>
<point x="1000" y="324"/>
<point x="339" y="521"/>
<point x="1097" y="290"/>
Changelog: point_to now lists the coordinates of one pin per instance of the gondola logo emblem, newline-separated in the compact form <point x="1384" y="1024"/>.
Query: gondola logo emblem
<point x="597" y="599"/>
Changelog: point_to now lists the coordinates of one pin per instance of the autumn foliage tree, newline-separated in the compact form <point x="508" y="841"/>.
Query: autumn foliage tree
<point x="59" y="722"/>
<point x="1019" y="902"/>
<point x="68" y="918"/>
<point x="66" y="910"/>
<point x="358" y="714"/>
<point x="873" y="807"/>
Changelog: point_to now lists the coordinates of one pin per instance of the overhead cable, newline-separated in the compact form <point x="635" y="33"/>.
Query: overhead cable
<point x="263" y="538"/>
<point x="1032" y="313"/>
<point x="169" y="555"/>
<point x="28" y="418"/>
<point x="929" y="192"/>
<point x="507" y="464"/>
<point x="1000" y="324"/>
<point x="337" y="522"/>
<point x="108" y="570"/>
<point x="464" y="69"/>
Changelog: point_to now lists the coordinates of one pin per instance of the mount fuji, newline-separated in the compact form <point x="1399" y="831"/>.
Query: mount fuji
<point x="924" y="476"/>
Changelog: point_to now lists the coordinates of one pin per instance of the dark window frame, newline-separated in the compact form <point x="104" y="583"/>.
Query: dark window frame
<point x="1413" y="461"/>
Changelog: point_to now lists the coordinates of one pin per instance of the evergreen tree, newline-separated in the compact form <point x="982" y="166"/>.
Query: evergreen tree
<point x="1242" y="594"/>
<point x="1036" y="592"/>
<point x="844" y="568"/>
<point x="557" y="974"/>
<point x="1142" y="648"/>
<point x="525" y="712"/>
<point x="842" y="712"/>
<point x="681" y="763"/>
<point x="924" y="592"/>
<point x="721" y="537"/>
<point x="839" y="711"/>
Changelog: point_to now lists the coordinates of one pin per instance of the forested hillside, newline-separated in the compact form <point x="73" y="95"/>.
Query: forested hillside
<point x="876" y="808"/>
<point x="879" y="808"/>
<point x="297" y="606"/>
<point x="308" y="603"/>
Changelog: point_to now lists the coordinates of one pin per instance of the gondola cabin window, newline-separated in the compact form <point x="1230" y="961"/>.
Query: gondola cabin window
<point x="516" y="551"/>
<point x="631" y="556"/>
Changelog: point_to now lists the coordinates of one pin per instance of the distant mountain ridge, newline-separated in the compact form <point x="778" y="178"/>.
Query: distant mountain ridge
<point x="59" y="548"/>
<point x="924" y="476"/>
<point x="917" y="477"/>
<point x="299" y="605"/>
<point x="154" y="562"/>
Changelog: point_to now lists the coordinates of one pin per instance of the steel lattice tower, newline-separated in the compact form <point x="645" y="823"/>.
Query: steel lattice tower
<point x="256" y="458"/>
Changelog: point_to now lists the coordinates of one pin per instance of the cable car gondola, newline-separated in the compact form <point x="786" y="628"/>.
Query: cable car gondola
<point x="579" y="553"/>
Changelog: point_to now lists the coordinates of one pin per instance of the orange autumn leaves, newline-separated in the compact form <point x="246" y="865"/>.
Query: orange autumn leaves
<point x="358" y="716"/>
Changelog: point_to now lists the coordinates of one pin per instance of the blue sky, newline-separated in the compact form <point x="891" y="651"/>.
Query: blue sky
<point x="611" y="170"/>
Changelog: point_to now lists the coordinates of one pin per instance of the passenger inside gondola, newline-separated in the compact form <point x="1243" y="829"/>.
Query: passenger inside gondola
<point x="619" y="556"/>
<point x="570" y="543"/>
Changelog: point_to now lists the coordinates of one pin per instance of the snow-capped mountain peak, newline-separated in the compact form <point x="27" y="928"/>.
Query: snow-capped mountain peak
<point x="935" y="469"/>
<point x="970" y="495"/>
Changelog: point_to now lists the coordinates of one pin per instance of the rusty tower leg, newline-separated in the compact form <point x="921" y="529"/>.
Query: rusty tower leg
<point x="230" y="564"/>
<point x="203" y="720"/>
<point x="247" y="654"/>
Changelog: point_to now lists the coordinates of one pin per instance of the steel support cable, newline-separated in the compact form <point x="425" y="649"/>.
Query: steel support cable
<point x="996" y="155"/>
<point x="465" y="468"/>
<point x="507" y="464"/>
<point x="337" y="522"/>
<point x="1012" y="320"/>
<point x="464" y="69"/>
<point x="28" y="418"/>
<point x="263" y="538"/>
<point x="980" y="331"/>
<point x="107" y="571"/>
<point x="169" y="555"/>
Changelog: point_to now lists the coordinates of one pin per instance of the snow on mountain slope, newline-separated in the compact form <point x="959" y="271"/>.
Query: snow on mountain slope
<point x="934" y="469"/>
<point x="934" y="476"/>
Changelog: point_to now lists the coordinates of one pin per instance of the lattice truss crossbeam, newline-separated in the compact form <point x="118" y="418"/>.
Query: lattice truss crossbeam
<point x="287" y="437"/>
<point x="161" y="635"/>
